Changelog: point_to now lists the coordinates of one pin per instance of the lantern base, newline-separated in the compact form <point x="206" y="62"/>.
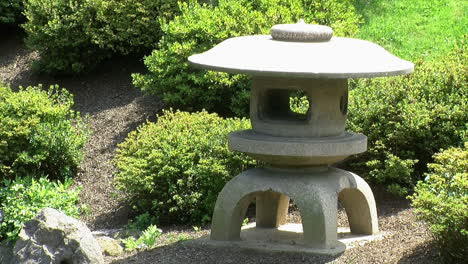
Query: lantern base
<point x="316" y="194"/>
<point x="297" y="151"/>
<point x="287" y="238"/>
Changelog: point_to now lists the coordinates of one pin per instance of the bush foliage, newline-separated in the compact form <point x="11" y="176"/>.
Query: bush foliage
<point x="442" y="201"/>
<point x="57" y="30"/>
<point x="39" y="133"/>
<point x="199" y="28"/>
<point x="10" y="11"/>
<point x="126" y="26"/>
<point x="22" y="198"/>
<point x="176" y="167"/>
<point x="73" y="36"/>
<point x="408" y="119"/>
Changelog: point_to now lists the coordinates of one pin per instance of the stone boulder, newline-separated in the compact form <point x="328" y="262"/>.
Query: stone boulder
<point x="109" y="246"/>
<point x="53" y="237"/>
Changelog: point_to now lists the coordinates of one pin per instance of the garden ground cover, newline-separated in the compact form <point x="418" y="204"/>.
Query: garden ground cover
<point x="115" y="108"/>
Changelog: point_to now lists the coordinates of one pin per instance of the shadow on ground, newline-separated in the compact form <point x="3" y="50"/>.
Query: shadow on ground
<point x="187" y="252"/>
<point x="424" y="253"/>
<point x="387" y="203"/>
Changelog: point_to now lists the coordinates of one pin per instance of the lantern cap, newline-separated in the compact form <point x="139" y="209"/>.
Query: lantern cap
<point x="301" y="32"/>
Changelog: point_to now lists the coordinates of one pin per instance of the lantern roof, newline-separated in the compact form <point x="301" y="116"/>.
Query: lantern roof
<point x="301" y="51"/>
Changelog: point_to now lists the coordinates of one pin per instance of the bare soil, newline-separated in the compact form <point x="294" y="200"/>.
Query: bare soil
<point x="115" y="108"/>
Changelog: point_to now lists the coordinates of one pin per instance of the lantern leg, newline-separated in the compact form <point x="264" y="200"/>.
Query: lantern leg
<point x="359" y="203"/>
<point x="271" y="209"/>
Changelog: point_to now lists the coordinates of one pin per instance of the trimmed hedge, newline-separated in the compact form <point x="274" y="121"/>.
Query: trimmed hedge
<point x="74" y="36"/>
<point x="408" y="119"/>
<point x="175" y="168"/>
<point x="39" y="133"/>
<point x="22" y="198"/>
<point x="199" y="28"/>
<point x="126" y="26"/>
<point x="57" y="30"/>
<point x="442" y="201"/>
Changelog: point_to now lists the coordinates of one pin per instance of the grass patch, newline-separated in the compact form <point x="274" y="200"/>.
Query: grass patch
<point x="413" y="29"/>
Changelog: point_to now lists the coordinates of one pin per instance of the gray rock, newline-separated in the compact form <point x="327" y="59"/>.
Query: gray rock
<point x="6" y="252"/>
<point x="53" y="237"/>
<point x="117" y="233"/>
<point x="110" y="246"/>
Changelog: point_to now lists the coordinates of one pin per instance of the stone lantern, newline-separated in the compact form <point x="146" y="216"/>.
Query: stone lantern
<point x="298" y="149"/>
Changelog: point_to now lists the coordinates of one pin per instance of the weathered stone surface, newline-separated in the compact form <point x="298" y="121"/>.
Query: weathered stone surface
<point x="301" y="32"/>
<point x="315" y="191"/>
<point x="338" y="58"/>
<point x="109" y="246"/>
<point x="53" y="237"/>
<point x="271" y="114"/>
<point x="296" y="151"/>
<point x="6" y="252"/>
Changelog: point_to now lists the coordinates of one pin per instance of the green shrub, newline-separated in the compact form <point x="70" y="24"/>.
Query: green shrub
<point x="126" y="26"/>
<point x="199" y="28"/>
<point x="408" y="119"/>
<point x="73" y="36"/>
<point x="175" y="168"/>
<point x="141" y="222"/>
<point x="442" y="201"/>
<point x="57" y="30"/>
<point x="22" y="198"/>
<point x="39" y="133"/>
<point x="10" y="11"/>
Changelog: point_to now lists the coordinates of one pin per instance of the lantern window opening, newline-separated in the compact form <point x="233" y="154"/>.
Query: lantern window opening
<point x="286" y="105"/>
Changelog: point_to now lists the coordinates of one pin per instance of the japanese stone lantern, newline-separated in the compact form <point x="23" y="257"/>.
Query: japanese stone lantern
<point x="298" y="149"/>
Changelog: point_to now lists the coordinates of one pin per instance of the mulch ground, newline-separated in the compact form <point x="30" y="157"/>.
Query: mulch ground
<point x="115" y="108"/>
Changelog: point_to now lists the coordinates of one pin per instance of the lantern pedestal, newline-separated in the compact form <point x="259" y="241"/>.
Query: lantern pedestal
<point x="316" y="192"/>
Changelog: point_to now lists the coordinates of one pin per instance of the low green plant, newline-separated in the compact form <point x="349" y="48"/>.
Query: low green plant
<point x="408" y="119"/>
<point x="39" y="133"/>
<point x="22" y="198"/>
<point x="175" y="168"/>
<point x="146" y="240"/>
<point x="441" y="200"/>
<point x="172" y="238"/>
<point x="141" y="222"/>
<point x="200" y="27"/>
